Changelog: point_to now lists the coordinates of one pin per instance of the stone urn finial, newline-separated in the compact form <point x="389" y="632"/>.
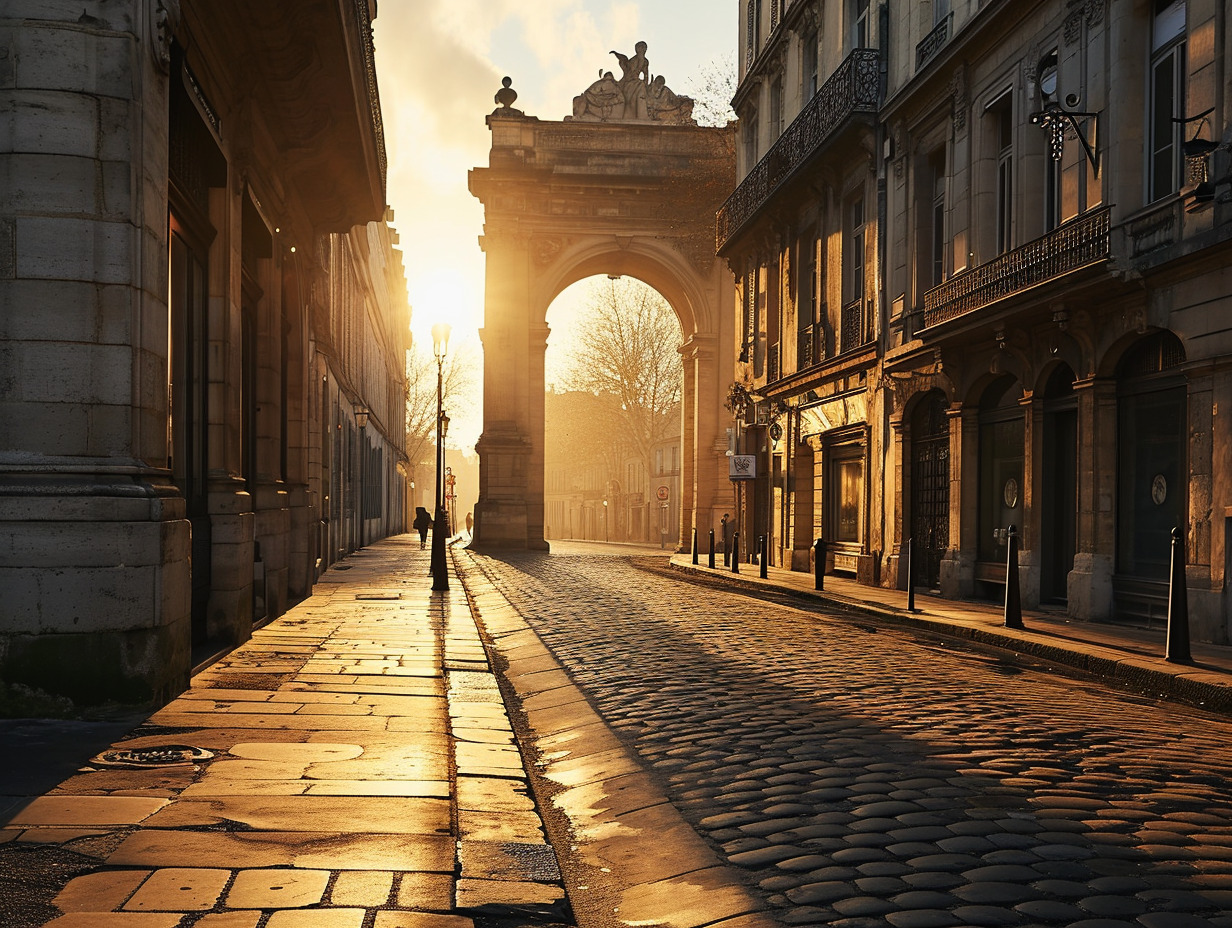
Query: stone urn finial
<point x="506" y="95"/>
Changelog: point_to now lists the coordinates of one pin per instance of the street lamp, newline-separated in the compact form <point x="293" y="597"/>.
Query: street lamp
<point x="607" y="535"/>
<point x="440" y="574"/>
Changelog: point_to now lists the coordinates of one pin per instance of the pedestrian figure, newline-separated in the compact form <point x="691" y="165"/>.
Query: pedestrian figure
<point x="470" y="524"/>
<point x="422" y="523"/>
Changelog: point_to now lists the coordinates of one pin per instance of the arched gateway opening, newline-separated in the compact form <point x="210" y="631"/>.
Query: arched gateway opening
<point x="599" y="194"/>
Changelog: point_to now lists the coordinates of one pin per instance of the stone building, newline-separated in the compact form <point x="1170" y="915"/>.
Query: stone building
<point x="1047" y="215"/>
<point x="203" y="327"/>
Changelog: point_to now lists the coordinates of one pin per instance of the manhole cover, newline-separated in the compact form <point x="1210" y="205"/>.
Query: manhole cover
<point x="158" y="755"/>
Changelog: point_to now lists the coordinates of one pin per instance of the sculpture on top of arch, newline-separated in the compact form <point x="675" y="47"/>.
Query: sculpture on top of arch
<point x="635" y="97"/>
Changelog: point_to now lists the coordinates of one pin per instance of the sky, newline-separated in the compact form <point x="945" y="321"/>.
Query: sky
<point x="439" y="63"/>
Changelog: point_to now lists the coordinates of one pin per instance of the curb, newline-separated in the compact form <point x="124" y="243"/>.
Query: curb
<point x="1192" y="685"/>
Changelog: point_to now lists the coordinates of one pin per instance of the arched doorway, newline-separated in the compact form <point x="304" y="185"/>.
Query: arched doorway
<point x="1151" y="472"/>
<point x="1059" y="493"/>
<point x="568" y="200"/>
<point x="930" y="487"/>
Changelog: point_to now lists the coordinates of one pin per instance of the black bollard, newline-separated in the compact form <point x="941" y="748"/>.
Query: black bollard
<point x="910" y="576"/>
<point x="1013" y="595"/>
<point x="763" y="545"/>
<point x="726" y="549"/>
<point x="819" y="563"/>
<point x="694" y="547"/>
<point x="1177" y="648"/>
<point x="735" y="552"/>
<point x="710" y="562"/>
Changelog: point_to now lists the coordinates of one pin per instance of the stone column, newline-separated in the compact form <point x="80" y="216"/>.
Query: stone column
<point x="958" y="564"/>
<point x="1030" y="526"/>
<point x="1089" y="585"/>
<point x="94" y="545"/>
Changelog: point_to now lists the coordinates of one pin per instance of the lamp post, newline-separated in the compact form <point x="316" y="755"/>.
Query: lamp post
<point x="606" y="534"/>
<point x="440" y="574"/>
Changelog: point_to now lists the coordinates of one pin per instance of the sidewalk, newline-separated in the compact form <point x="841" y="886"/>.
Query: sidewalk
<point x="351" y="766"/>
<point x="1123" y="656"/>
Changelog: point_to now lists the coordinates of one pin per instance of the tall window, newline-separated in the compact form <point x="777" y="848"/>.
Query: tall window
<point x="1048" y="72"/>
<point x="1003" y="127"/>
<point x="860" y="37"/>
<point x="809" y="67"/>
<point x="753" y="29"/>
<point x="750" y="139"/>
<point x="1167" y="98"/>
<point x="941" y="9"/>
<point x="936" y="216"/>
<point x="855" y="251"/>
<point x="776" y="107"/>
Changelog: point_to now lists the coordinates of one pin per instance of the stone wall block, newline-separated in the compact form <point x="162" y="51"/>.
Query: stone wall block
<point x="53" y="310"/>
<point x="97" y="14"/>
<point x="48" y="184"/>
<point x="65" y="545"/>
<point x="78" y="600"/>
<point x="95" y="510"/>
<point x="116" y="118"/>
<point x="55" y="429"/>
<point x="51" y="58"/>
<point x="65" y="372"/>
<point x="74" y="249"/>
<point x="40" y="122"/>
<point x="110" y="430"/>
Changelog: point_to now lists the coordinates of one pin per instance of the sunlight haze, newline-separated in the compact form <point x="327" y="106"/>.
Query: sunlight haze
<point x="439" y="63"/>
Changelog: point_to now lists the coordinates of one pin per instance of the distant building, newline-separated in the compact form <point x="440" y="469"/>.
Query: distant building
<point x="983" y="252"/>
<point x="595" y="487"/>
<point x="203" y="327"/>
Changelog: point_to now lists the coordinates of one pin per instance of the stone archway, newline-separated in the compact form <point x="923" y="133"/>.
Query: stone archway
<point x="571" y="199"/>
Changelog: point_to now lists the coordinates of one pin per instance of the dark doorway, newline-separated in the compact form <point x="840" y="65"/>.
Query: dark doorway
<point x="1059" y="493"/>
<point x="1151" y="472"/>
<point x="930" y="488"/>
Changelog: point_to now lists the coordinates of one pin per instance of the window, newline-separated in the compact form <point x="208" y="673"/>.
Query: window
<point x="860" y="37"/>
<point x="1003" y="116"/>
<point x="749" y="307"/>
<point x="845" y="493"/>
<point x="753" y="29"/>
<point x="855" y="251"/>
<point x="750" y="139"/>
<point x="1166" y="99"/>
<point x="776" y="107"/>
<point x="809" y="65"/>
<point x="941" y="9"/>
<point x="937" y="217"/>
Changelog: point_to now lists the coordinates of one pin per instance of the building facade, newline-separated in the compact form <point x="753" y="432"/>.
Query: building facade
<point x="1037" y="215"/>
<point x="203" y="327"/>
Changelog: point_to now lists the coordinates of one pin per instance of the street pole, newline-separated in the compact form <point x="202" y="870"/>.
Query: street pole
<point x="440" y="573"/>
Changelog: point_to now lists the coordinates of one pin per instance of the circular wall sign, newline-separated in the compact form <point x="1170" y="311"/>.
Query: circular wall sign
<point x="1010" y="493"/>
<point x="1159" y="489"/>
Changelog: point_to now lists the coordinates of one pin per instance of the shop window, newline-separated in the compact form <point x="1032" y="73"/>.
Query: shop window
<point x="845" y="496"/>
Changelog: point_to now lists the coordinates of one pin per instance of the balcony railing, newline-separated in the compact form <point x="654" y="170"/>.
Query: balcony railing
<point x="931" y="43"/>
<point x="1078" y="243"/>
<point x="853" y="88"/>
<point x="810" y="346"/>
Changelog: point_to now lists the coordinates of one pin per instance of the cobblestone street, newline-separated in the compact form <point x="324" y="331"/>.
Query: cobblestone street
<point x="864" y="776"/>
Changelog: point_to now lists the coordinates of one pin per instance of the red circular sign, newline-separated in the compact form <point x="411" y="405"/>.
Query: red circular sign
<point x="663" y="493"/>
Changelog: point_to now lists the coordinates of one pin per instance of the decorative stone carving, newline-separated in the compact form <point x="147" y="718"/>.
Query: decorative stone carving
<point x="958" y="90"/>
<point x="546" y="250"/>
<point x="506" y="97"/>
<point x="1073" y="27"/>
<point x="164" y="19"/>
<point x="635" y="97"/>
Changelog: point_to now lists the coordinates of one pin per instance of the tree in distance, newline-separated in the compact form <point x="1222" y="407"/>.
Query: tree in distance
<point x="628" y="349"/>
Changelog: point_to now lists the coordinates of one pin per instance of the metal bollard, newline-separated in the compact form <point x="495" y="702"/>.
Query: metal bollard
<point x="1177" y="648"/>
<point x="763" y="556"/>
<point x="710" y="562"/>
<point x="1013" y="594"/>
<point x="694" y="547"/>
<point x="910" y="576"/>
<point x="735" y="552"/>
<point x="726" y="549"/>
<point x="819" y="563"/>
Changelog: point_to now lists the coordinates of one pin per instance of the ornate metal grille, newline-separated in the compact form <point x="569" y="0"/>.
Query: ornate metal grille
<point x="853" y="331"/>
<point x="930" y="488"/>
<point x="931" y="43"/>
<point x="1074" y="245"/>
<point x="772" y="362"/>
<point x="853" y="88"/>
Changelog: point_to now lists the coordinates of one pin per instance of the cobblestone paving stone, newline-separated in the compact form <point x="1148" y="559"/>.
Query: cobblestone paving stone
<point x="872" y="779"/>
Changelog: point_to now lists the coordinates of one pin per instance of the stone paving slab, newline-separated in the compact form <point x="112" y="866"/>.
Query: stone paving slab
<point x="338" y="734"/>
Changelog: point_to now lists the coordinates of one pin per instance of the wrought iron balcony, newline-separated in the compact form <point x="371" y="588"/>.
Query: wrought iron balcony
<point x="1076" y="244"/>
<point x="810" y="346"/>
<point x="931" y="43"/>
<point x="853" y="88"/>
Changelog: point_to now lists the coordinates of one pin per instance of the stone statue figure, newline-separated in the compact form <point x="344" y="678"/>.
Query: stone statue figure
<point x="636" y="97"/>
<point x="634" y="77"/>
